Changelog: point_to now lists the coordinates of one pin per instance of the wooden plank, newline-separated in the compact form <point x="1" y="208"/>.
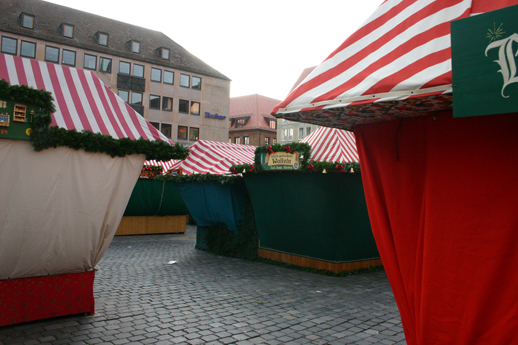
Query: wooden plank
<point x="147" y="225"/>
<point x="318" y="264"/>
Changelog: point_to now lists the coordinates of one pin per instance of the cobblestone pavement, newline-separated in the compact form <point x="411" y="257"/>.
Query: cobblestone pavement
<point x="207" y="299"/>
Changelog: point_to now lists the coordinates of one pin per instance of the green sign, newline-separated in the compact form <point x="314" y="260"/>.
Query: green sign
<point x="15" y="120"/>
<point x="484" y="63"/>
<point x="280" y="161"/>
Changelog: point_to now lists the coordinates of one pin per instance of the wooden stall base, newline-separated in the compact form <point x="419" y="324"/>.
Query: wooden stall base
<point x="148" y="225"/>
<point x="318" y="264"/>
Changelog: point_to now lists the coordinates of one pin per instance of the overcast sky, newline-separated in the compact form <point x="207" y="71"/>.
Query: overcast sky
<point x="263" y="46"/>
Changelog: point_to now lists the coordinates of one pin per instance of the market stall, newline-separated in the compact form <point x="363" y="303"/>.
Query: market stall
<point x="323" y="221"/>
<point x="70" y="157"/>
<point x="440" y="186"/>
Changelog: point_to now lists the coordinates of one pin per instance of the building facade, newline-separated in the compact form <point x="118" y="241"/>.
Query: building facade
<point x="176" y="92"/>
<point x="251" y="122"/>
<point x="290" y="131"/>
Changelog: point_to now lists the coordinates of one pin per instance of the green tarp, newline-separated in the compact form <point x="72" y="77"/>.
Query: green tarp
<point x="214" y="204"/>
<point x="153" y="198"/>
<point x="321" y="216"/>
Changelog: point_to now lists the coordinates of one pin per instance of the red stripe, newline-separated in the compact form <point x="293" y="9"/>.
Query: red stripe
<point x="133" y="114"/>
<point x="100" y="87"/>
<point x="120" y="116"/>
<point x="59" y="98"/>
<point x="38" y="78"/>
<point x="20" y="71"/>
<point x="78" y="105"/>
<point x="91" y="101"/>
<point x="3" y="69"/>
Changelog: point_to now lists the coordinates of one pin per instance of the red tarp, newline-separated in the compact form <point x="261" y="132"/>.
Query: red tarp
<point x="443" y="203"/>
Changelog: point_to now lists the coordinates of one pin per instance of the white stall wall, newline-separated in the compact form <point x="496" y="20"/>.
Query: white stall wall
<point x="59" y="208"/>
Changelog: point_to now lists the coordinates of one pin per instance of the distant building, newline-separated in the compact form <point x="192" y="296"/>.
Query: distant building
<point x="173" y="89"/>
<point x="251" y="122"/>
<point x="290" y="131"/>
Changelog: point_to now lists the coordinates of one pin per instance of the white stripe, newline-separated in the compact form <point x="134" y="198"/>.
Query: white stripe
<point x="29" y="73"/>
<point x="114" y="114"/>
<point x="45" y="75"/>
<point x="11" y="70"/>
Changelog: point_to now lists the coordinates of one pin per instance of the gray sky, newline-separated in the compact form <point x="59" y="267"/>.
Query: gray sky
<point x="263" y="46"/>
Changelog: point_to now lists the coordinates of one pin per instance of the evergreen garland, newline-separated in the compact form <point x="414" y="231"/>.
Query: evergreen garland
<point x="43" y="136"/>
<point x="200" y="178"/>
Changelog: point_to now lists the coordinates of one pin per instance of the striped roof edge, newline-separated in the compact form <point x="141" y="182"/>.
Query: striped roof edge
<point x="215" y="157"/>
<point x="397" y="64"/>
<point x="332" y="145"/>
<point x="81" y="99"/>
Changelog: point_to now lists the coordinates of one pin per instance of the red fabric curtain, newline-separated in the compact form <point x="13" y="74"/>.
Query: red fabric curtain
<point x="442" y="195"/>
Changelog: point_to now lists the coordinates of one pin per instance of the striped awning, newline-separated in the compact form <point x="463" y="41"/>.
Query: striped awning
<point x="215" y="157"/>
<point x="332" y="145"/>
<point x="398" y="64"/>
<point x="165" y="165"/>
<point x="82" y="100"/>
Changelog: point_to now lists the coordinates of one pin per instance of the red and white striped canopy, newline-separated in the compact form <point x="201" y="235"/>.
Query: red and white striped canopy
<point x="215" y="157"/>
<point x="82" y="100"/>
<point x="398" y="64"/>
<point x="332" y="145"/>
<point x="165" y="165"/>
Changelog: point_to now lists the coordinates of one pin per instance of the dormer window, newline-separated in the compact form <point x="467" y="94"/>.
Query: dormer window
<point x="134" y="46"/>
<point x="27" y="20"/>
<point x="102" y="38"/>
<point x="67" y="30"/>
<point x="163" y="52"/>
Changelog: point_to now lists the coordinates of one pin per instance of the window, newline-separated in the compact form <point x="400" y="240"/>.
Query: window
<point x="27" y="20"/>
<point x="195" y="108"/>
<point x="9" y="45"/>
<point x="67" y="30"/>
<point x="183" y="106"/>
<point x="301" y="133"/>
<point x="156" y="74"/>
<point x="240" y="123"/>
<point x="194" y="133"/>
<point x="124" y="95"/>
<point x="290" y="134"/>
<point x="167" y="103"/>
<point x="28" y="49"/>
<point x="90" y="62"/>
<point x="185" y="80"/>
<point x="124" y="67"/>
<point x="134" y="46"/>
<point x="138" y="71"/>
<point x="274" y="141"/>
<point x="229" y="140"/>
<point x="156" y="125"/>
<point x="196" y="83"/>
<point x="164" y="53"/>
<point x="246" y="140"/>
<point x="68" y="58"/>
<point x="105" y="65"/>
<point x="182" y="132"/>
<point x="267" y="141"/>
<point x="272" y="124"/>
<point x="308" y="131"/>
<point x="52" y="54"/>
<point x="102" y="38"/>
<point x="237" y="140"/>
<point x="154" y="102"/>
<point x="166" y="130"/>
<point x="168" y="77"/>
<point x="136" y="98"/>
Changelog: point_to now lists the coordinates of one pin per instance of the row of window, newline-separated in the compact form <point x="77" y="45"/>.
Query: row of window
<point x="246" y="140"/>
<point x="68" y="57"/>
<point x="160" y="102"/>
<point x="287" y="133"/>
<point x="28" y="21"/>
<point x="184" y="132"/>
